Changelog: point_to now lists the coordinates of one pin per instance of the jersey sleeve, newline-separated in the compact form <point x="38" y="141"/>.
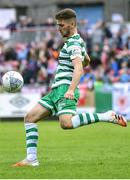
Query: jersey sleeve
<point x="75" y="50"/>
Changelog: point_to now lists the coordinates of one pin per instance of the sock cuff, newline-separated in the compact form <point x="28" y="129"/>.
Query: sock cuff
<point x="75" y="121"/>
<point x="28" y="125"/>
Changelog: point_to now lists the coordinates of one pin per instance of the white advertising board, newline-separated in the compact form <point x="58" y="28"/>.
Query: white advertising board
<point x="121" y="99"/>
<point x="17" y="104"/>
<point x="6" y="16"/>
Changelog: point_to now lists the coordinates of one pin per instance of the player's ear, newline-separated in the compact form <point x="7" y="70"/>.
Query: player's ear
<point x="72" y="24"/>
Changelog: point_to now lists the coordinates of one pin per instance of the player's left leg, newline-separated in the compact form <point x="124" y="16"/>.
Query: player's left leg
<point x="69" y="121"/>
<point x="68" y="117"/>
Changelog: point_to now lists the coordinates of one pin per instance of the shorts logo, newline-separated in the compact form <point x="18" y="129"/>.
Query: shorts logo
<point x="61" y="104"/>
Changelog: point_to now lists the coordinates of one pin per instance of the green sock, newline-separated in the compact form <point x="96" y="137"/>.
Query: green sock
<point x="31" y="140"/>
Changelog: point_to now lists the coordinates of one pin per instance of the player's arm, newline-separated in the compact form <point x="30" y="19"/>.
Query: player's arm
<point x="78" y="71"/>
<point x="86" y="61"/>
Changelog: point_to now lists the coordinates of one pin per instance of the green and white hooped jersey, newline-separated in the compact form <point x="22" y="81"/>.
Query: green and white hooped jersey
<point x="73" y="47"/>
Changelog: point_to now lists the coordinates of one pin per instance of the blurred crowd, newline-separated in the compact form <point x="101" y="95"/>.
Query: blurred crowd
<point x="37" y="61"/>
<point x="27" y="22"/>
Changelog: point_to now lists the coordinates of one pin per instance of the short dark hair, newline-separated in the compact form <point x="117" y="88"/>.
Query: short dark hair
<point x="65" y="14"/>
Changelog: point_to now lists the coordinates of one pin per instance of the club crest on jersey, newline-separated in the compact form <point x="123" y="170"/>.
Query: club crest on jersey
<point x="76" y="51"/>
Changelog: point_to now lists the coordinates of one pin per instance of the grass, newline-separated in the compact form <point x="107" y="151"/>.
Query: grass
<point x="97" y="151"/>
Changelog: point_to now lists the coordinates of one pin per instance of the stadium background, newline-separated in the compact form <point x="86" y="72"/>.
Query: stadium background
<point x="30" y="44"/>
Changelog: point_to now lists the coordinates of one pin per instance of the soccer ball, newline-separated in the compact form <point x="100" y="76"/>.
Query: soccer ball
<point x="12" y="81"/>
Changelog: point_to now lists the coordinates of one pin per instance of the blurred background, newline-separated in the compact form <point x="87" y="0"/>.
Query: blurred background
<point x="30" y="44"/>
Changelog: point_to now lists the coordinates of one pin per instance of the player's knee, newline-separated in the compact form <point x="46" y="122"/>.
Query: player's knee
<point x="28" y="118"/>
<point x="66" y="125"/>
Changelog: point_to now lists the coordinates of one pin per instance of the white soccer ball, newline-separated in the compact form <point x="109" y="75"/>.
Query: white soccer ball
<point x="12" y="81"/>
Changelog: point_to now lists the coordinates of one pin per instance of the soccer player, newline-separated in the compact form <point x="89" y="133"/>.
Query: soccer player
<point x="64" y="94"/>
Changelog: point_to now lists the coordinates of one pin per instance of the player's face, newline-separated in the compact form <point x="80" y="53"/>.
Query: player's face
<point x="64" y="28"/>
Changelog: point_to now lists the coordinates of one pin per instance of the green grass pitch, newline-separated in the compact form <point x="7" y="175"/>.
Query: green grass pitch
<point x="97" y="151"/>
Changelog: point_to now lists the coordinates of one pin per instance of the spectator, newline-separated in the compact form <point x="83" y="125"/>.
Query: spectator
<point x="95" y="56"/>
<point x="31" y="71"/>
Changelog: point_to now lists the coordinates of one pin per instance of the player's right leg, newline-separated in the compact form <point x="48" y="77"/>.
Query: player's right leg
<point x="37" y="113"/>
<point x="43" y="108"/>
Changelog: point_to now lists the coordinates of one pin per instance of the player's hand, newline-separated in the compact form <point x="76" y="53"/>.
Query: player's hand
<point x="86" y="61"/>
<point x="69" y="94"/>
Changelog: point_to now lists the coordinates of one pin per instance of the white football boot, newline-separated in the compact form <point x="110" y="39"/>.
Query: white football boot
<point x="117" y="119"/>
<point x="26" y="162"/>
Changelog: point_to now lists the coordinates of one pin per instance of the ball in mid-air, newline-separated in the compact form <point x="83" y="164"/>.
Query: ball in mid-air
<point x="12" y="81"/>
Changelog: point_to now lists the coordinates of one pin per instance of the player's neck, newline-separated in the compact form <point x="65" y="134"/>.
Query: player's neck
<point x="73" y="32"/>
<point x="70" y="35"/>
